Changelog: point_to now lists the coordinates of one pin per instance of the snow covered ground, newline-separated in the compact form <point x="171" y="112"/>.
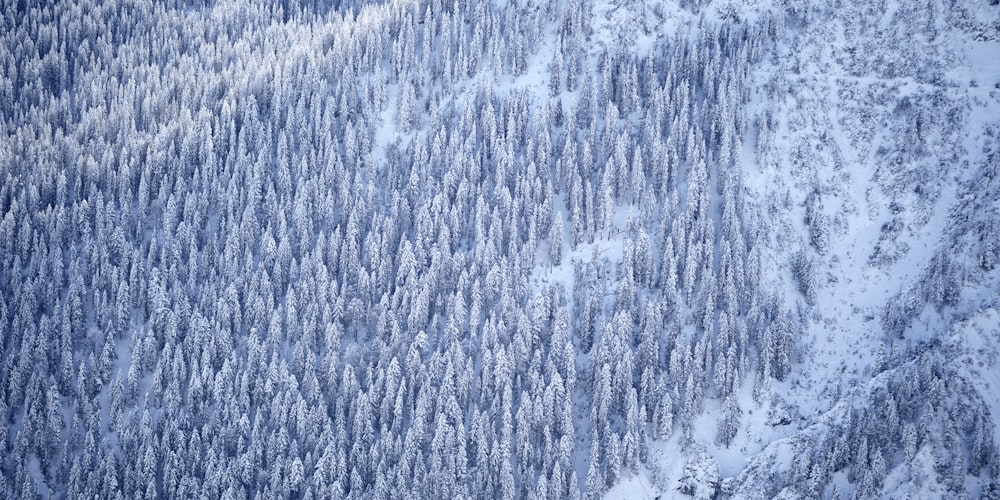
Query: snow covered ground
<point x="847" y="120"/>
<point x="299" y="250"/>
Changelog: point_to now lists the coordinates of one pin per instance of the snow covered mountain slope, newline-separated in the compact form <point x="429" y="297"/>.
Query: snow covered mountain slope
<point x="499" y="249"/>
<point x="872" y="161"/>
<point x="875" y="167"/>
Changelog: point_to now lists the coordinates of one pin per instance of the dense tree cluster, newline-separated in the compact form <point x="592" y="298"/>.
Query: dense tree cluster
<point x="923" y="417"/>
<point x="290" y="249"/>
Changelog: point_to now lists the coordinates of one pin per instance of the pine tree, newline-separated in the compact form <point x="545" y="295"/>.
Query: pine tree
<point x="595" y="481"/>
<point x="909" y="442"/>
<point x="980" y="454"/>
<point x="729" y="424"/>
<point x="663" y="413"/>
<point x="555" y="241"/>
<point x="555" y="72"/>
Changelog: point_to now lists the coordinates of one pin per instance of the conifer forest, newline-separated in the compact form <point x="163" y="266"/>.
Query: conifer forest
<point x="499" y="249"/>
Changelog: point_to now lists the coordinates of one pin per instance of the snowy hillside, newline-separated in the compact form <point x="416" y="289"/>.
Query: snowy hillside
<point x="502" y="249"/>
<point x="881" y="135"/>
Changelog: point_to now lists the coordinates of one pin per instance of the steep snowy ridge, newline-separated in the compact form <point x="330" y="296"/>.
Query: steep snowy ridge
<point x="873" y="158"/>
<point x="881" y="120"/>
